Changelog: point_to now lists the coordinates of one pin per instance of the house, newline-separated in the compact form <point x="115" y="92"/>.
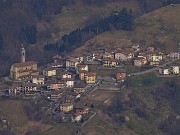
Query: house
<point x="74" y="95"/>
<point x="82" y="111"/>
<point x="154" y="63"/>
<point x="109" y="62"/>
<point x="69" y="82"/>
<point x="108" y="55"/>
<point x="81" y="67"/>
<point x="14" y="89"/>
<point x="67" y="107"/>
<point x="164" y="70"/>
<point x="72" y="62"/>
<point x="140" y="61"/>
<point x="136" y="47"/>
<point x="169" y="70"/>
<point x="55" y="96"/>
<point x="82" y="74"/>
<point x="79" y="88"/>
<point x="156" y="58"/>
<point x="22" y="88"/>
<point x="69" y="98"/>
<point x="150" y="49"/>
<point x="174" y="55"/>
<point x="23" y="70"/>
<point x="59" y="60"/>
<point x="57" y="85"/>
<point x="66" y="75"/>
<point x="76" y="117"/>
<point x="56" y="65"/>
<point x="121" y="76"/>
<point x="49" y="72"/>
<point x="175" y="70"/>
<point x="123" y="55"/>
<point x="38" y="79"/>
<point x="90" y="78"/>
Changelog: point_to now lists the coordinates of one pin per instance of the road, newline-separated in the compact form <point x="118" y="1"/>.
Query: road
<point x="153" y="69"/>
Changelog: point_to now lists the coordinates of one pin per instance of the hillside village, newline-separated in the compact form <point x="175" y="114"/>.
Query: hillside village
<point x="66" y="81"/>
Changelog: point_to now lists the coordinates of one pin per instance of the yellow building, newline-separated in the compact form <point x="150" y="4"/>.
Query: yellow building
<point x="23" y="70"/>
<point x="90" y="78"/>
<point x="109" y="62"/>
<point x="66" y="107"/>
<point x="49" y="72"/>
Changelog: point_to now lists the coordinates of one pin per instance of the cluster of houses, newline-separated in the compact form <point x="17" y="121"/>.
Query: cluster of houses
<point x="73" y="69"/>
<point x="68" y="78"/>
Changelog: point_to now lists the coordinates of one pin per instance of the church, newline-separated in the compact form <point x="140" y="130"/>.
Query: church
<point x="24" y="69"/>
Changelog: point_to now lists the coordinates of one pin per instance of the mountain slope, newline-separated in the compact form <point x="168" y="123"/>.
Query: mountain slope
<point x="160" y="28"/>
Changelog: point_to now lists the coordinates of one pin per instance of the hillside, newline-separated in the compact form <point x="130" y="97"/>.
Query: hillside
<point x="160" y="28"/>
<point x="35" y="23"/>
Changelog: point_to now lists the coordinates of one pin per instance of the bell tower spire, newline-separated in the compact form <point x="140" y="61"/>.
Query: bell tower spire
<point x="23" y="57"/>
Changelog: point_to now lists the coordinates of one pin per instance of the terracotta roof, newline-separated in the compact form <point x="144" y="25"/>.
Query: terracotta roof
<point x="22" y="64"/>
<point x="28" y="70"/>
<point x="110" y="59"/>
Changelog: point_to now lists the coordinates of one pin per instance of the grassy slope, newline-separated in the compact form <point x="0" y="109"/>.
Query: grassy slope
<point x="13" y="111"/>
<point x="162" y="25"/>
<point x="75" y="16"/>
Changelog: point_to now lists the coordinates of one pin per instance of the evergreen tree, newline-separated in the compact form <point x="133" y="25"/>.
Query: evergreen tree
<point x="123" y="19"/>
<point x="29" y="34"/>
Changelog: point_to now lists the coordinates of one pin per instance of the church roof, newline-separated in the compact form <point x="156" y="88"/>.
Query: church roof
<point x="23" y="64"/>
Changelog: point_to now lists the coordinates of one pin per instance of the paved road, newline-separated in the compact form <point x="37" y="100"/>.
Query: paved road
<point x="153" y="69"/>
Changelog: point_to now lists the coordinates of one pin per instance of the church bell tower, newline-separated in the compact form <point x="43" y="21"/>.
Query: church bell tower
<point x="23" y="57"/>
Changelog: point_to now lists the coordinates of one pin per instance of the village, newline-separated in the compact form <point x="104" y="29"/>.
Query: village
<point x="68" y="83"/>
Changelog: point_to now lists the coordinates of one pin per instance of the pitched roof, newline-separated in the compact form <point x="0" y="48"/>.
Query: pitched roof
<point x="23" y="64"/>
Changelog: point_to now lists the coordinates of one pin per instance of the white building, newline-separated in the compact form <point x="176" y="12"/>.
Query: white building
<point x="72" y="62"/>
<point x="172" y="70"/>
<point x="49" y="72"/>
<point x="66" y="75"/>
<point x="76" y="118"/>
<point x="123" y="55"/>
<point x="175" y="70"/>
<point x="69" y="82"/>
<point x="38" y="79"/>
<point x="164" y="71"/>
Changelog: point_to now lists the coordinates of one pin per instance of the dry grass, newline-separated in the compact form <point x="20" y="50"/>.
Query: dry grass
<point x="75" y="16"/>
<point x="102" y="125"/>
<point x="161" y="26"/>
<point x="13" y="111"/>
<point x="101" y="95"/>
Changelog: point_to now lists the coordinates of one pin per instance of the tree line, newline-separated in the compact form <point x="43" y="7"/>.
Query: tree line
<point x="119" y="20"/>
